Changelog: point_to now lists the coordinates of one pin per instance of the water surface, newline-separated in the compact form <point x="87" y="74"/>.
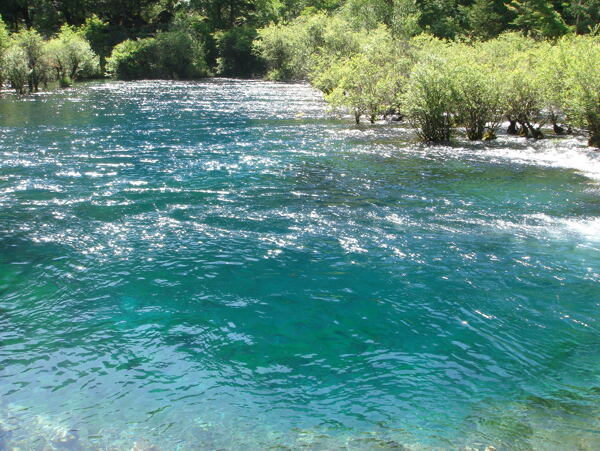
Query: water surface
<point x="225" y="265"/>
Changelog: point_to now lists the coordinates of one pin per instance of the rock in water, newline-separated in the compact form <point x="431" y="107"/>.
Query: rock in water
<point x="489" y="135"/>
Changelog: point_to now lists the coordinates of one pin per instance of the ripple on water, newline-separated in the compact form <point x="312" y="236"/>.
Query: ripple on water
<point x="221" y="263"/>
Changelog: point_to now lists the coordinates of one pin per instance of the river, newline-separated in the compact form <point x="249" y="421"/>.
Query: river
<point x="226" y="265"/>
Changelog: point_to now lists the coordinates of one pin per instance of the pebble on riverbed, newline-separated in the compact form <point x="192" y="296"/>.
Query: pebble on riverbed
<point x="144" y="445"/>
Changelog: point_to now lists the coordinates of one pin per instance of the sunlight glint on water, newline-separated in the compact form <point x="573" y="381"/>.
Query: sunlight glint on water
<point x="222" y="265"/>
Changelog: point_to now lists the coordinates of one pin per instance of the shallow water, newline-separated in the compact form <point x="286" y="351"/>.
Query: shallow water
<point x="223" y="265"/>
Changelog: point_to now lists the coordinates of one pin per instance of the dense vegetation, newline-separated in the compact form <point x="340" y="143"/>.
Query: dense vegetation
<point x="444" y="65"/>
<point x="441" y="86"/>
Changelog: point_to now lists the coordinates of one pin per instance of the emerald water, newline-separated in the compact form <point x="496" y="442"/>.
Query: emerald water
<point x="224" y="265"/>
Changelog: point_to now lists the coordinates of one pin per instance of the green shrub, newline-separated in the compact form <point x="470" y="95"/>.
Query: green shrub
<point x="200" y="29"/>
<point x="32" y="45"/>
<point x="170" y="55"/>
<point x="477" y="93"/>
<point x="179" y="56"/>
<point x="15" y="68"/>
<point x="235" y="54"/>
<point x="292" y="51"/>
<point x="132" y="60"/>
<point x="577" y="59"/>
<point x="368" y="83"/>
<point x="71" y="56"/>
<point x="101" y="36"/>
<point x="517" y="61"/>
<point x="400" y="16"/>
<point x="429" y="100"/>
<point x="4" y="44"/>
<point x="277" y="46"/>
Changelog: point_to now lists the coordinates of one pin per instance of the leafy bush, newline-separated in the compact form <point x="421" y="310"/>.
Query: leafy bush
<point x="285" y="49"/>
<point x="368" y="83"/>
<point x="71" y="56"/>
<point x="200" y="29"/>
<point x="292" y="51"/>
<point x="235" y="55"/>
<point x="132" y="60"/>
<point x="401" y="17"/>
<point x="4" y="44"/>
<point x="477" y="93"/>
<point x="577" y="60"/>
<point x="517" y="61"/>
<point x="32" y="46"/>
<point x="179" y="56"/>
<point x="170" y="55"/>
<point x="429" y="100"/>
<point x="102" y="37"/>
<point x="15" y="68"/>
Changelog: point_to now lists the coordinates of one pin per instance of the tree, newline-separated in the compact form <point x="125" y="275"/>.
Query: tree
<point x="369" y="82"/>
<point x="577" y="60"/>
<point x="225" y="14"/>
<point x="487" y="19"/>
<point x="101" y="37"/>
<point x="169" y="55"/>
<point x="293" y="51"/>
<point x="584" y="15"/>
<point x="477" y="92"/>
<point x="4" y="44"/>
<point x="538" y="18"/>
<point x="32" y="44"/>
<point x="429" y="100"/>
<point x="15" y="68"/>
<point x="442" y="18"/>
<point x="236" y="57"/>
<point x="71" y="56"/>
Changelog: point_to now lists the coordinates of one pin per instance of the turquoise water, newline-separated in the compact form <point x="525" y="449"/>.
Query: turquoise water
<point x="224" y="265"/>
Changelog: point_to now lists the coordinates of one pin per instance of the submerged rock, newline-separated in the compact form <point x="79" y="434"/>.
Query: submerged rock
<point x="69" y="441"/>
<point x="594" y="141"/>
<point x="144" y="445"/>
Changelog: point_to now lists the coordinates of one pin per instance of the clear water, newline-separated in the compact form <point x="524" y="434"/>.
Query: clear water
<point x="223" y="265"/>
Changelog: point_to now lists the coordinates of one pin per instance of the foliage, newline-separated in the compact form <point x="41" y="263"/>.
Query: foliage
<point x="101" y="37"/>
<point x="477" y="92"/>
<point x="173" y="55"/>
<point x="131" y="60"/>
<point x="288" y="49"/>
<point x="584" y="15"/>
<point x="4" y="44"/>
<point x="429" y="99"/>
<point x="71" y="56"/>
<point x="369" y="82"/>
<point x="32" y="46"/>
<point x="236" y="57"/>
<point x="538" y="18"/>
<point x="487" y="19"/>
<point x="200" y="29"/>
<point x="577" y="62"/>
<point x="15" y="68"/>
<point x="292" y="51"/>
<point x="178" y="56"/>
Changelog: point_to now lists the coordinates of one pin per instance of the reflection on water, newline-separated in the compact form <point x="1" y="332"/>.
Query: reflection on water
<point x="220" y="265"/>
